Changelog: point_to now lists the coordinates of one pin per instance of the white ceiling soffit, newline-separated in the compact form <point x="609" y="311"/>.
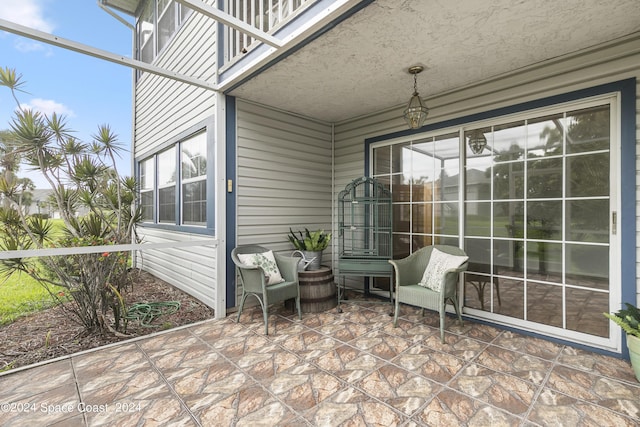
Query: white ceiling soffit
<point x="126" y="6"/>
<point x="360" y="66"/>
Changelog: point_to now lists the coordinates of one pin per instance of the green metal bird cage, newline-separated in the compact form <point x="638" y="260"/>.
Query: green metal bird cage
<point x="365" y="241"/>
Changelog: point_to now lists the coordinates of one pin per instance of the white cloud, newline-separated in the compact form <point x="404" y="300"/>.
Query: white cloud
<point x="48" y="107"/>
<point x="26" y="46"/>
<point x="28" y="13"/>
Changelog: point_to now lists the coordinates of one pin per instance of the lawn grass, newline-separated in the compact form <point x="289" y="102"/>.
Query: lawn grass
<point x="20" y="295"/>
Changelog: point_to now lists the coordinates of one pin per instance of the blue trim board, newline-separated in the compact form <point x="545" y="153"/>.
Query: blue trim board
<point x="627" y="216"/>
<point x="628" y="195"/>
<point x="230" y="164"/>
<point x="628" y="189"/>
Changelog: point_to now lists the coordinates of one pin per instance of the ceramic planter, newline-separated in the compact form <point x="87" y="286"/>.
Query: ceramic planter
<point x="633" y="343"/>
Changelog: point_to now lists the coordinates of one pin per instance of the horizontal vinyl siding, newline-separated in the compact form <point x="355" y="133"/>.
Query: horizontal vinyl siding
<point x="165" y="107"/>
<point x="191" y="269"/>
<point x="618" y="62"/>
<point x="284" y="176"/>
<point x="349" y="160"/>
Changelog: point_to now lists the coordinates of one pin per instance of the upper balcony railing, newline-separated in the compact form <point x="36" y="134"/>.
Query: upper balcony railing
<point x="266" y="15"/>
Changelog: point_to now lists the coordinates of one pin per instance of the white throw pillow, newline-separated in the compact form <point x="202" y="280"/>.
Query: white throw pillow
<point x="267" y="262"/>
<point x="438" y="264"/>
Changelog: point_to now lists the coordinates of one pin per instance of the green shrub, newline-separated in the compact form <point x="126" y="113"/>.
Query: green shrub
<point x="628" y="319"/>
<point x="81" y="175"/>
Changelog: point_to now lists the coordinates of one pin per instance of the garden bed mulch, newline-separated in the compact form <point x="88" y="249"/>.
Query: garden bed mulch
<point x="52" y="333"/>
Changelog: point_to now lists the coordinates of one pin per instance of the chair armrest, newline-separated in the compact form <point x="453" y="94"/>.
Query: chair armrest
<point x="288" y="267"/>
<point x="400" y="269"/>
<point x="450" y="279"/>
<point x="401" y="263"/>
<point x="409" y="270"/>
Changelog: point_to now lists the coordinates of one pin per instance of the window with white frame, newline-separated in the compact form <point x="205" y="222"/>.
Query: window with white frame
<point x="159" y="20"/>
<point x="173" y="183"/>
<point x="193" y="159"/>
<point x="184" y="13"/>
<point x="147" y="186"/>
<point x="145" y="26"/>
<point x="167" y="22"/>
<point x="167" y="186"/>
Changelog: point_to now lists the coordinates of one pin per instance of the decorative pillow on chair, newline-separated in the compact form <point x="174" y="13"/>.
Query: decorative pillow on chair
<point x="267" y="262"/>
<point x="438" y="264"/>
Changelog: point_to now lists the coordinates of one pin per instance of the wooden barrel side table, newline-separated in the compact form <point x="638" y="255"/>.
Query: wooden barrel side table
<point x="318" y="291"/>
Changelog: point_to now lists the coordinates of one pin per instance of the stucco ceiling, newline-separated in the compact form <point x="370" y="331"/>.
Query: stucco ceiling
<point x="360" y="66"/>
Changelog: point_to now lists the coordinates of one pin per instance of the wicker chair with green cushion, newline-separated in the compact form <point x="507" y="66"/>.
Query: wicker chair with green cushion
<point x="428" y="278"/>
<point x="270" y="277"/>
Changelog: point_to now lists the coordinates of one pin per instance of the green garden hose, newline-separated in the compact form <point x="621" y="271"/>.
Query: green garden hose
<point x="147" y="312"/>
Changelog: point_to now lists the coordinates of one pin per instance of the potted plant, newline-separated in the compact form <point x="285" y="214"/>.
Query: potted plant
<point x="311" y="244"/>
<point x="629" y="320"/>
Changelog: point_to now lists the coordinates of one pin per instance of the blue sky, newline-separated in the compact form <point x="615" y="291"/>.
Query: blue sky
<point x="87" y="90"/>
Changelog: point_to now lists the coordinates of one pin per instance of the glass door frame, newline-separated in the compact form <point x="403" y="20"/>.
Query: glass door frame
<point x="621" y="135"/>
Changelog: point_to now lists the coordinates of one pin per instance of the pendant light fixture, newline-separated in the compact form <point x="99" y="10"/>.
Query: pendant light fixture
<point x="477" y="141"/>
<point x="416" y="112"/>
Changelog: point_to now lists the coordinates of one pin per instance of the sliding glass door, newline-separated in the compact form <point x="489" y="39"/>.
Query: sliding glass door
<point x="532" y="199"/>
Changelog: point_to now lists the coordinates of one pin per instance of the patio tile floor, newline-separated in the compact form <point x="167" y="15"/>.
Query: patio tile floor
<point x="328" y="369"/>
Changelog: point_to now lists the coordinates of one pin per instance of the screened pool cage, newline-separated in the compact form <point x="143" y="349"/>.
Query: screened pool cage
<point x="365" y="243"/>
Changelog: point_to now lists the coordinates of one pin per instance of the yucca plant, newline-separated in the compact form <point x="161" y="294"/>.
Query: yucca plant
<point x="80" y="175"/>
<point x="628" y="319"/>
<point x="309" y="241"/>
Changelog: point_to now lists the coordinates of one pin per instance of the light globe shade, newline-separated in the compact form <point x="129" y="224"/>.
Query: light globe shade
<point x="416" y="113"/>
<point x="477" y="141"/>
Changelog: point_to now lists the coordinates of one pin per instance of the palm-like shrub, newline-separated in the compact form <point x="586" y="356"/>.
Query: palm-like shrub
<point x="80" y="176"/>
<point x="628" y="319"/>
<point x="316" y="240"/>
